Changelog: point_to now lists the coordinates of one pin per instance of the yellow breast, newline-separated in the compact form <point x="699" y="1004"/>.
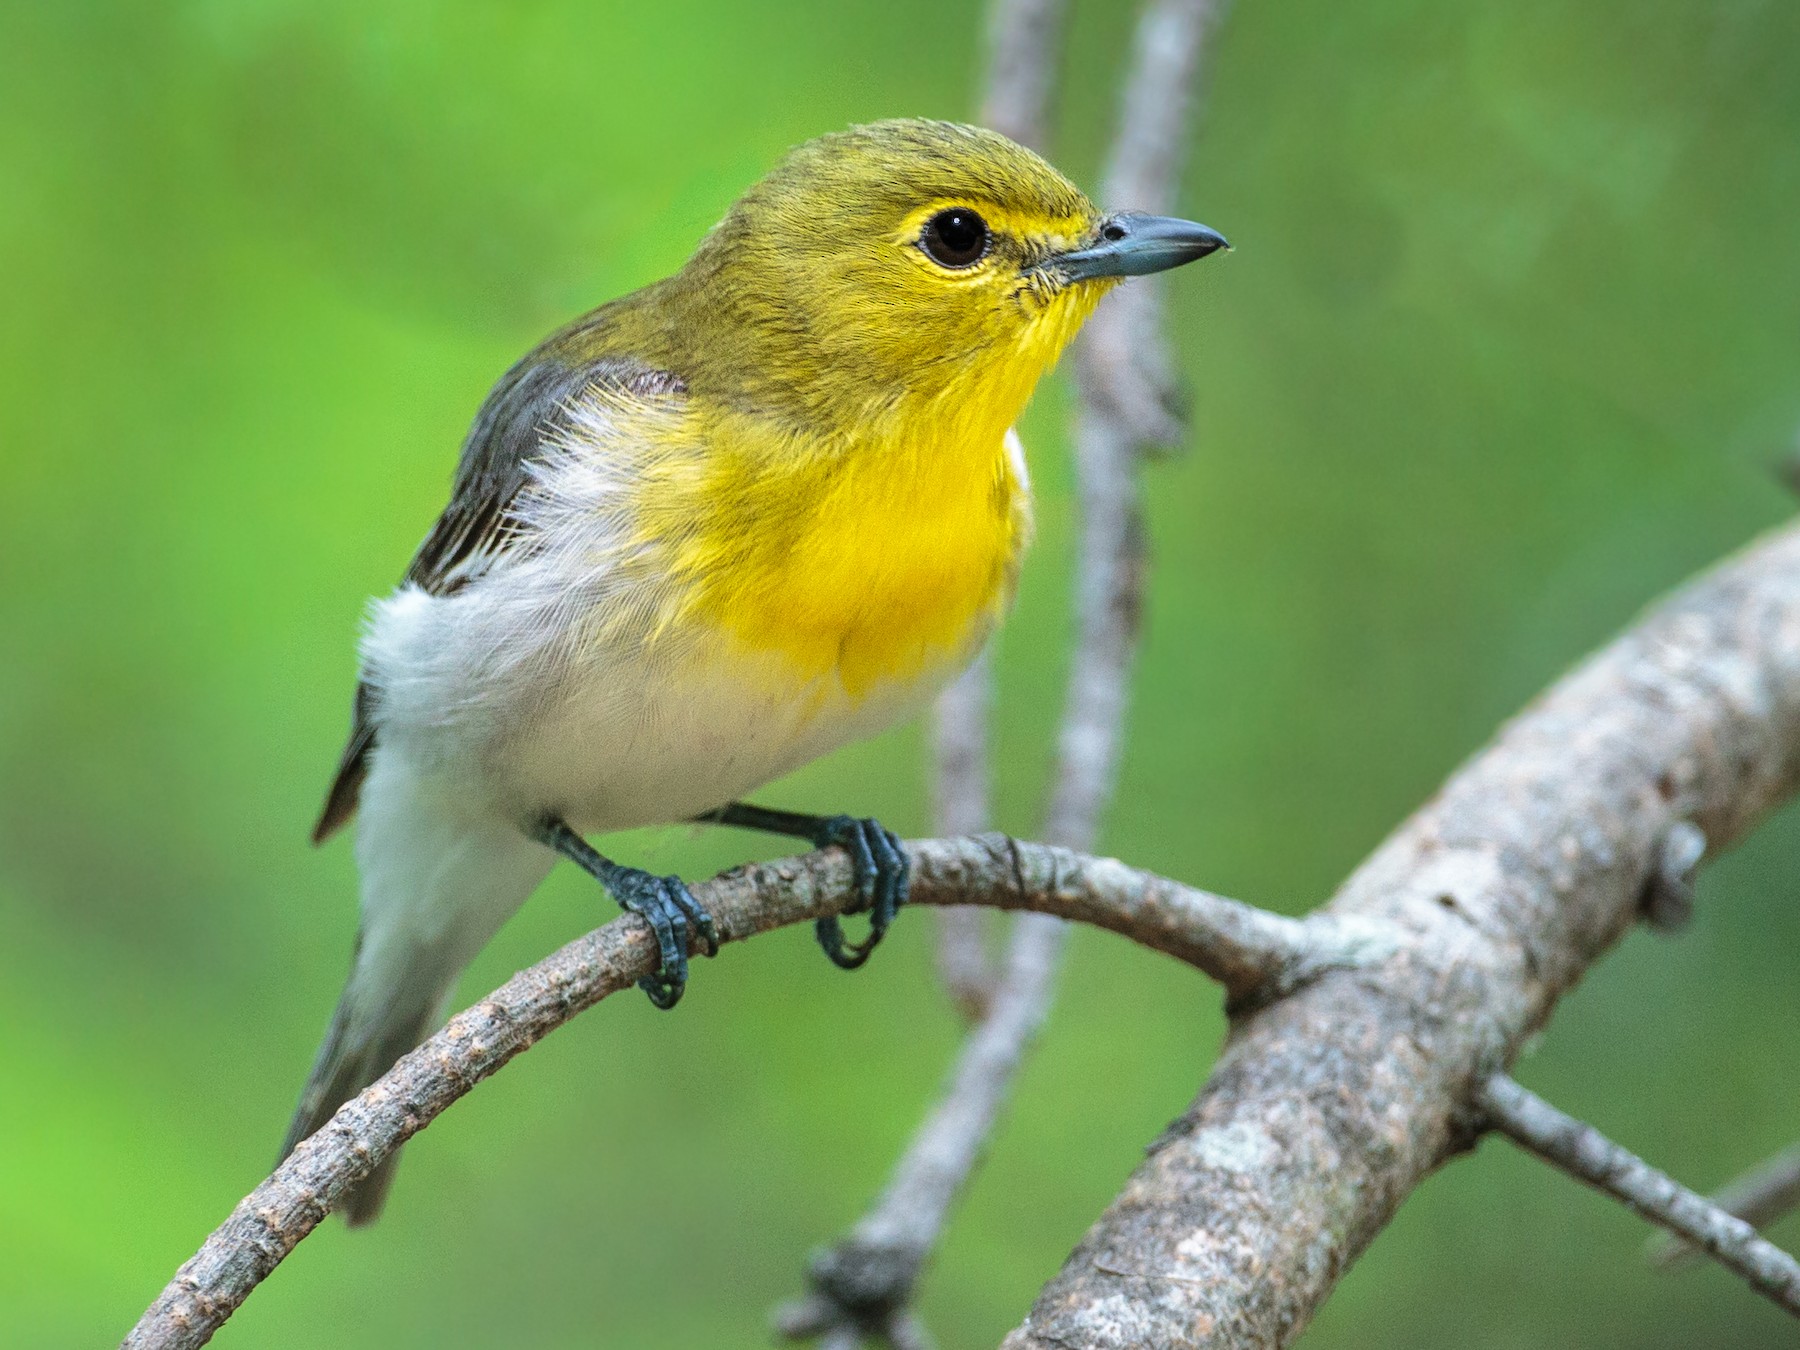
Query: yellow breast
<point x="875" y="563"/>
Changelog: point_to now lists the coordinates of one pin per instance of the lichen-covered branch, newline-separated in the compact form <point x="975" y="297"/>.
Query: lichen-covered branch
<point x="1328" y="1107"/>
<point x="1363" y="1037"/>
<point x="1583" y="1152"/>
<point x="993" y="870"/>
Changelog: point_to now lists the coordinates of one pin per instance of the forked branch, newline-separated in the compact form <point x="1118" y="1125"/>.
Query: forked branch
<point x="1338" y="1089"/>
<point x="1250" y="948"/>
<point x="1327" y="1108"/>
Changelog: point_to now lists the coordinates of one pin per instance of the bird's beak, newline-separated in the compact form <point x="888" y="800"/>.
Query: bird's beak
<point x="1132" y="244"/>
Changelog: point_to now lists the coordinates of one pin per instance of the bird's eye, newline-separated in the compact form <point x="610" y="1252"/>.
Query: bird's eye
<point x="955" y="238"/>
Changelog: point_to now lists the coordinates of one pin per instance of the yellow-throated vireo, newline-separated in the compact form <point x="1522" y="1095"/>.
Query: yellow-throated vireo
<point x="701" y="536"/>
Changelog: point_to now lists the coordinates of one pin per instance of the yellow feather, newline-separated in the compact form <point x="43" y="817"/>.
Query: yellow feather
<point x="880" y="556"/>
<point x="839" y="492"/>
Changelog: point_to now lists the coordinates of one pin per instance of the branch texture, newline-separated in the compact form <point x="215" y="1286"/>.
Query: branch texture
<point x="1327" y="1108"/>
<point x="991" y="870"/>
<point x="1583" y="1152"/>
<point x="1762" y="1195"/>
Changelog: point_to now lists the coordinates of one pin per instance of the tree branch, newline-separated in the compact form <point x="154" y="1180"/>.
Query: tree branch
<point x="1586" y="1154"/>
<point x="866" y="1279"/>
<point x="1024" y="51"/>
<point x="1759" y="1197"/>
<point x="1243" y="946"/>
<point x="1024" y="40"/>
<point x="1327" y="1108"/>
<point x="1337" y="1092"/>
<point x="960" y="806"/>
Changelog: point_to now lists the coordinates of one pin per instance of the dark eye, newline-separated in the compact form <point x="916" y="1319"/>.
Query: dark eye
<point x="955" y="238"/>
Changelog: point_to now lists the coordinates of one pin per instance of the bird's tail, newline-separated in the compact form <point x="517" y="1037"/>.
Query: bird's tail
<point x="438" y="880"/>
<point x="361" y="1045"/>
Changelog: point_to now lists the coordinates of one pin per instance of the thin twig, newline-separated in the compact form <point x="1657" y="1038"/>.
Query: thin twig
<point x="1024" y="50"/>
<point x="866" y="1278"/>
<point x="869" y="1275"/>
<point x="1767" y="1192"/>
<point x="960" y="792"/>
<point x="1586" y="1154"/>
<point x="1024" y="39"/>
<point x="1240" y="945"/>
<point x="1115" y="426"/>
<point x="1123" y="363"/>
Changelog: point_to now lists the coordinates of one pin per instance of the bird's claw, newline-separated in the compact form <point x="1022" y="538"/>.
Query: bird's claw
<point x="882" y="877"/>
<point x="667" y="905"/>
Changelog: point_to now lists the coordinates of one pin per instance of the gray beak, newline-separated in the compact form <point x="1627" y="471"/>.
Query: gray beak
<point x="1133" y="244"/>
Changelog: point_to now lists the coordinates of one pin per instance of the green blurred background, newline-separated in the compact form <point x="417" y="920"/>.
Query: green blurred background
<point x="1509" y="343"/>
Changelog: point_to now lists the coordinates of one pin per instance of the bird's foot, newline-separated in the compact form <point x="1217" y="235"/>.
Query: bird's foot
<point x="669" y="908"/>
<point x="665" y="903"/>
<point x="882" y="878"/>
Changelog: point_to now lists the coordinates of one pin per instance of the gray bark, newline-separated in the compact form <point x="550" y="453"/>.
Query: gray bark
<point x="1250" y="948"/>
<point x="1328" y="1107"/>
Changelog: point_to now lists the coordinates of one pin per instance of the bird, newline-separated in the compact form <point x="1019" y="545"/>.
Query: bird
<point x="700" y="536"/>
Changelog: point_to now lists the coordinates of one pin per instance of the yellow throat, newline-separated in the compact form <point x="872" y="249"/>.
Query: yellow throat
<point x="885" y="552"/>
<point x="853" y="342"/>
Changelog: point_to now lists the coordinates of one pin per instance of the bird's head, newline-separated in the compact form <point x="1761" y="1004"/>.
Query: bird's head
<point x="884" y="267"/>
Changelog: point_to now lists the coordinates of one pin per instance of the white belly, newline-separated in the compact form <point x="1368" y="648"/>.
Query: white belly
<point x="518" y="696"/>
<point x="642" y="742"/>
<point x="563" y="680"/>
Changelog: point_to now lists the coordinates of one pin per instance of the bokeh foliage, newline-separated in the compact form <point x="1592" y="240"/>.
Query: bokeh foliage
<point x="1508" y="345"/>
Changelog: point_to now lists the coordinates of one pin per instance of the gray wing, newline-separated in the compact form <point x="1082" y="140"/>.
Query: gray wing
<point x="516" y="422"/>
